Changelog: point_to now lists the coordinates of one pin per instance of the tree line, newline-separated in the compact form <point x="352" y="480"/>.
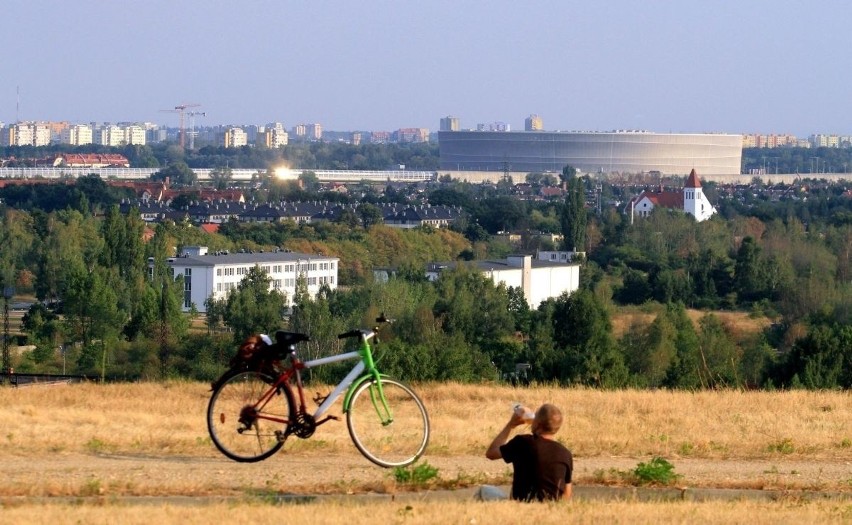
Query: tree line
<point x="115" y="315"/>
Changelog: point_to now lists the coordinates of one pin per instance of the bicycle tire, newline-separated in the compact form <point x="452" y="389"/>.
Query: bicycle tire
<point x="395" y="443"/>
<point x="253" y="439"/>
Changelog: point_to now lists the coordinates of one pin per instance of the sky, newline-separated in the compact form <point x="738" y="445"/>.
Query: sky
<point x="684" y="66"/>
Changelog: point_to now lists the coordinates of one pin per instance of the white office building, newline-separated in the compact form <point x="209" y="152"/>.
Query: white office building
<point x="216" y="274"/>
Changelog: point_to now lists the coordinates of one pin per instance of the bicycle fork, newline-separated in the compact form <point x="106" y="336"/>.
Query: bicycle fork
<point x="380" y="403"/>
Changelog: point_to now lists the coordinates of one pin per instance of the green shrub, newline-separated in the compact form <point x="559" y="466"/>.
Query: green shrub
<point x="420" y="474"/>
<point x="658" y="471"/>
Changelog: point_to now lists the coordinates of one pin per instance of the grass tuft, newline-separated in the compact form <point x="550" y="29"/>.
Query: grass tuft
<point x="421" y="474"/>
<point x="658" y="471"/>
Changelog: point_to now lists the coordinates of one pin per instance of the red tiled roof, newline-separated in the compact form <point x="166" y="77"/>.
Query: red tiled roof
<point x="210" y="227"/>
<point x="666" y="199"/>
<point x="93" y="159"/>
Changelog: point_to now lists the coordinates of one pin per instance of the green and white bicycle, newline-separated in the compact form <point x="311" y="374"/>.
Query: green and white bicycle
<point x="252" y="412"/>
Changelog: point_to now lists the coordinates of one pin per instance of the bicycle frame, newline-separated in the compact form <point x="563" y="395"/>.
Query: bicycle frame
<point x="349" y="383"/>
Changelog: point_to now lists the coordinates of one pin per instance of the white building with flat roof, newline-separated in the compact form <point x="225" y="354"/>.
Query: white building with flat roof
<point x="214" y="275"/>
<point x="540" y="280"/>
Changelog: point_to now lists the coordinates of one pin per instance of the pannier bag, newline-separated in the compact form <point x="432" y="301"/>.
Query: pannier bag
<point x="257" y="352"/>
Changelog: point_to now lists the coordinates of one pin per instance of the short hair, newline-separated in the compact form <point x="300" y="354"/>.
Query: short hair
<point x="548" y="419"/>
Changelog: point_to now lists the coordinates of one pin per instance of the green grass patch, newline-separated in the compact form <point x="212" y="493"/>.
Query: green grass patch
<point x="419" y="474"/>
<point x="658" y="471"/>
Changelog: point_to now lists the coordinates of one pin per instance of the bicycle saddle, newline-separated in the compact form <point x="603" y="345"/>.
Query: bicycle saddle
<point x="288" y="339"/>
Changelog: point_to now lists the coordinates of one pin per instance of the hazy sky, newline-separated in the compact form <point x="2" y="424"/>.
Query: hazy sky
<point x="679" y="65"/>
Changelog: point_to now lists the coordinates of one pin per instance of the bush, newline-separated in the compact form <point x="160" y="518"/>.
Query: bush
<point x="658" y="471"/>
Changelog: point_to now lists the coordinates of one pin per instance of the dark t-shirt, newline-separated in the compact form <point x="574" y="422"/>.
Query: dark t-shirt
<point x="542" y="467"/>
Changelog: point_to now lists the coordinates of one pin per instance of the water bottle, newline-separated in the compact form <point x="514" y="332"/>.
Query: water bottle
<point x="527" y="414"/>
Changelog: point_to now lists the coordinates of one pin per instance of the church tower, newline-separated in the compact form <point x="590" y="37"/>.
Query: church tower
<point x="694" y="201"/>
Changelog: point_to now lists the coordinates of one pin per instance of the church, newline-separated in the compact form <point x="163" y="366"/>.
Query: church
<point x="691" y="200"/>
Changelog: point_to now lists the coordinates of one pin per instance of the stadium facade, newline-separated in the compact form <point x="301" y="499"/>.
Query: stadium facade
<point x="597" y="152"/>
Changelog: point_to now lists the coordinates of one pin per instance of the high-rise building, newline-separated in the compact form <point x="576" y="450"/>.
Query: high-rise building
<point x="300" y="131"/>
<point x="108" y="135"/>
<point x="314" y="131"/>
<point x="273" y="136"/>
<point x="234" y="137"/>
<point x="134" y="134"/>
<point x="411" y="135"/>
<point x="450" y="124"/>
<point x="26" y="134"/>
<point x="76" y="135"/>
<point x="820" y="140"/>
<point x="379" y="137"/>
<point x="533" y="123"/>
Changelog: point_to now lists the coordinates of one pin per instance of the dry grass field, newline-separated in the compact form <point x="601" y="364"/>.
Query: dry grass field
<point x="150" y="439"/>
<point x="740" y="324"/>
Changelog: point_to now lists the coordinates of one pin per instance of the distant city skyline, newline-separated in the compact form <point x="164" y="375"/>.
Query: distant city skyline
<point x="683" y="67"/>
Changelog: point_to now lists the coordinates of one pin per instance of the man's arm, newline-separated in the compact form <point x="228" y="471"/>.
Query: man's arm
<point x="493" y="451"/>
<point x="568" y="491"/>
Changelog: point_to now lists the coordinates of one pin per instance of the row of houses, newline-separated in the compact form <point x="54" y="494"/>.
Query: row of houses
<point x="218" y="212"/>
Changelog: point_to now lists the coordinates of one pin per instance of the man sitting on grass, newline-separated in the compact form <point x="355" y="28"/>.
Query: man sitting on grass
<point x="542" y="466"/>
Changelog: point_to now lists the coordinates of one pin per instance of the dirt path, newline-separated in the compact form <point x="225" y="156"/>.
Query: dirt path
<point x="89" y="475"/>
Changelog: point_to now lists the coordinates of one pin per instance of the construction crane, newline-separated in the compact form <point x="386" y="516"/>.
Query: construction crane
<point x="181" y="109"/>
<point x="192" y="132"/>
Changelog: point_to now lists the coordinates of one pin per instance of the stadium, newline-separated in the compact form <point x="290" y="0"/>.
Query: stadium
<point x="595" y="152"/>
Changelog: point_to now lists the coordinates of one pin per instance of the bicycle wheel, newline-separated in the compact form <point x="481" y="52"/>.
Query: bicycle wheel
<point x="240" y="428"/>
<point x="389" y="438"/>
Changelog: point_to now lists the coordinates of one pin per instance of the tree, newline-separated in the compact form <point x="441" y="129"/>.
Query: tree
<point x="822" y="359"/>
<point x="252" y="307"/>
<point x="309" y="181"/>
<point x="653" y="352"/>
<point x="502" y="213"/>
<point x="370" y="215"/>
<point x="221" y="177"/>
<point x="158" y="313"/>
<point x="92" y="314"/>
<point x="685" y="370"/>
<point x="314" y="317"/>
<point x="748" y="278"/>
<point x="574" y="217"/>
<point x="177" y="173"/>
<point x="568" y="173"/>
<point x="583" y="334"/>
<point x="720" y="357"/>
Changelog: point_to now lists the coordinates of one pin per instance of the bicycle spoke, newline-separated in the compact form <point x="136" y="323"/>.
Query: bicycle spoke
<point x="390" y="429"/>
<point x="239" y="427"/>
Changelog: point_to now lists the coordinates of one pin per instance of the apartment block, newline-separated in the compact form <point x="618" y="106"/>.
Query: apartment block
<point x="26" y="134"/>
<point x="533" y="123"/>
<point x="450" y="123"/>
<point x="234" y="137"/>
<point x="273" y="136"/>
<point x="405" y="135"/>
<point x="76" y="135"/>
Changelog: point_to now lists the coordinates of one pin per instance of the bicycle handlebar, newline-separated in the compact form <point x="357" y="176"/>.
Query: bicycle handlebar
<point x="355" y="333"/>
<point x="351" y="333"/>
